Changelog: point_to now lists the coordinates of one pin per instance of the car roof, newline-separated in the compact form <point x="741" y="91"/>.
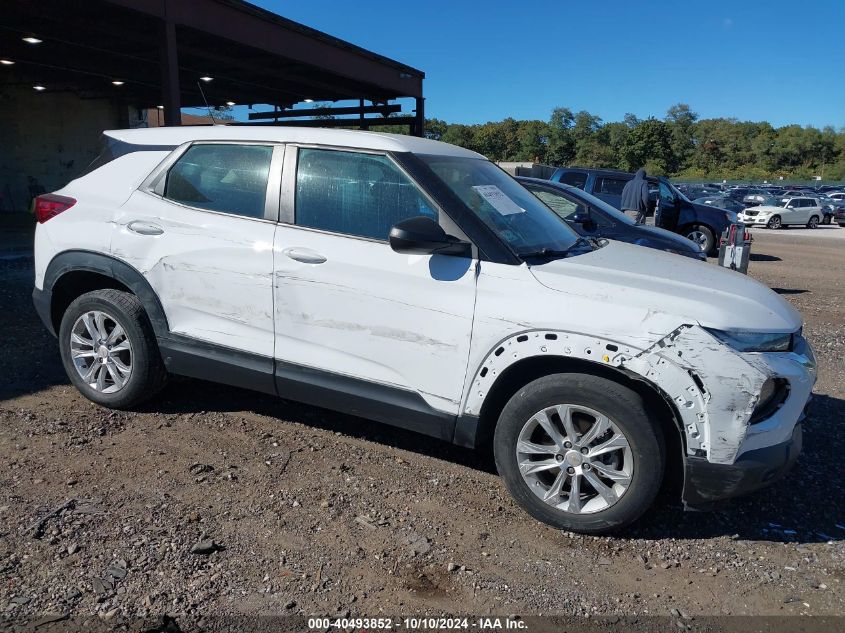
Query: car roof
<point x="549" y="183"/>
<point x="173" y="136"/>
<point x="591" y="170"/>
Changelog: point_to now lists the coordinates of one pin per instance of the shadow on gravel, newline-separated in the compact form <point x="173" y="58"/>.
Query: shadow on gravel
<point x="30" y="360"/>
<point x="761" y="257"/>
<point x="184" y="395"/>
<point x="790" y="291"/>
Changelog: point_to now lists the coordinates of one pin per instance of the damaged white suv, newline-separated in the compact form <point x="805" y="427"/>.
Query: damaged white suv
<point x="415" y="283"/>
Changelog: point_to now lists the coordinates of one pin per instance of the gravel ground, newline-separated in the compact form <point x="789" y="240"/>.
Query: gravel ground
<point x="218" y="501"/>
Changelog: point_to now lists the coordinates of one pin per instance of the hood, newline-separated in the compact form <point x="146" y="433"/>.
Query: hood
<point x="640" y="175"/>
<point x="706" y="209"/>
<point x="673" y="240"/>
<point x="644" y="283"/>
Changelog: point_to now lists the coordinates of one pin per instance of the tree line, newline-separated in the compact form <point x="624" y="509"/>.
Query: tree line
<point x="681" y="145"/>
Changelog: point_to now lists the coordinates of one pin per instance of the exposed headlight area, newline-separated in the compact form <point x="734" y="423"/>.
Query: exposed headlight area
<point x="773" y="394"/>
<point x="754" y="341"/>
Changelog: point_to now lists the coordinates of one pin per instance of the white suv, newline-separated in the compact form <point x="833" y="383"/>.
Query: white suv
<point x="789" y="211"/>
<point x="416" y="283"/>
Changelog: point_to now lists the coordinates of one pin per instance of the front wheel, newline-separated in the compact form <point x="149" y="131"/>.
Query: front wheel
<point x="813" y="223"/>
<point x="703" y="237"/>
<point x="579" y="453"/>
<point x="109" y="350"/>
<point x="827" y="220"/>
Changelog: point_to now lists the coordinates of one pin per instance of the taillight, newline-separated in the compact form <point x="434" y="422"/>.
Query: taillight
<point x="50" y="205"/>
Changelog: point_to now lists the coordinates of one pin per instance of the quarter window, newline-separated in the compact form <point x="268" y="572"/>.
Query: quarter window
<point x="355" y="193"/>
<point x="222" y="177"/>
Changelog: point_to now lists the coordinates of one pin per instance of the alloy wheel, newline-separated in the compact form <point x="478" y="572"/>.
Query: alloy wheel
<point x="574" y="458"/>
<point x="101" y="352"/>
<point x="699" y="238"/>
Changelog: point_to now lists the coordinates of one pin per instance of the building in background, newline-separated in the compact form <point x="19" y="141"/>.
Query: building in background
<point x="69" y="70"/>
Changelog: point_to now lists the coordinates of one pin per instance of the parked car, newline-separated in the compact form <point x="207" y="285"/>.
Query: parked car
<point x="698" y="222"/>
<point x="721" y="202"/>
<point x="839" y="217"/>
<point x="416" y="283"/>
<point x="829" y="206"/>
<point x="590" y="217"/>
<point x="697" y="191"/>
<point x="800" y="211"/>
<point x="836" y="195"/>
<point x="755" y="197"/>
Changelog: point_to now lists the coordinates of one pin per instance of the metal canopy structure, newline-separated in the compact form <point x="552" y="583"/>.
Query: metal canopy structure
<point x="182" y="53"/>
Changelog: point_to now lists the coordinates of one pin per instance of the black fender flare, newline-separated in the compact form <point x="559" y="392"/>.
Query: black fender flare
<point x="89" y="261"/>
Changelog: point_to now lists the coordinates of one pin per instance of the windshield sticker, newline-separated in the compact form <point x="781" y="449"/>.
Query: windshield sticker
<point x="498" y="200"/>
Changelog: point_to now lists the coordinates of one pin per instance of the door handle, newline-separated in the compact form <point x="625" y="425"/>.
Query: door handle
<point x="304" y="255"/>
<point x="145" y="228"/>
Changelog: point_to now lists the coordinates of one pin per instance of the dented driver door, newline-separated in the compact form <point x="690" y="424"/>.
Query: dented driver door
<point x="350" y="307"/>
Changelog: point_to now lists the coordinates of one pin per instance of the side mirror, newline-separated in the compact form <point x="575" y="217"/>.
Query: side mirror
<point x="424" y="236"/>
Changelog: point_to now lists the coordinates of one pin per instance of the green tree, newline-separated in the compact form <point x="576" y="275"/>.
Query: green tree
<point x="648" y="145"/>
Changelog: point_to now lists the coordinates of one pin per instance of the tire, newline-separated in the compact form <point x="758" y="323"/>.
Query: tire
<point x="703" y="236"/>
<point x="774" y="223"/>
<point x="826" y="220"/>
<point x="135" y="348"/>
<point x="814" y="222"/>
<point x="589" y="398"/>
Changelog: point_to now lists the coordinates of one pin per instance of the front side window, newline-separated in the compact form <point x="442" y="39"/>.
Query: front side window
<point x="506" y="207"/>
<point x="221" y="177"/>
<point x="355" y="193"/>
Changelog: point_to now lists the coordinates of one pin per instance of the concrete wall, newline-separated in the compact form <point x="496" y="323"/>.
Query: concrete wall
<point x="47" y="139"/>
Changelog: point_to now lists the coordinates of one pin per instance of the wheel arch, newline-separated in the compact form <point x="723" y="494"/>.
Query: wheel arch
<point x="73" y="273"/>
<point x="530" y="368"/>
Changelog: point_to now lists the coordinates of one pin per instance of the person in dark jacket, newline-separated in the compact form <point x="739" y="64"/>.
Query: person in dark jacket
<point x="635" y="197"/>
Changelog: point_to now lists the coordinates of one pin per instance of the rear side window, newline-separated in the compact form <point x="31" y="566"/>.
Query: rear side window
<point x="355" y="193"/>
<point x="574" y="178"/>
<point x="609" y="186"/>
<point x="228" y="178"/>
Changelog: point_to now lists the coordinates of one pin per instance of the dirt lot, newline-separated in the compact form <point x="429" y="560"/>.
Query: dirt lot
<point x="317" y="512"/>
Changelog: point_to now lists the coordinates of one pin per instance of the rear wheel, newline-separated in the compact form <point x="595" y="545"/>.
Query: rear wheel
<point x="109" y="350"/>
<point x="579" y="452"/>
<point x="702" y="236"/>
<point x="813" y="223"/>
<point x="774" y="222"/>
<point x="826" y="220"/>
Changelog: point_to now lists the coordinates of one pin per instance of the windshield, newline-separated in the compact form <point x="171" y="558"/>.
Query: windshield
<point x="511" y="211"/>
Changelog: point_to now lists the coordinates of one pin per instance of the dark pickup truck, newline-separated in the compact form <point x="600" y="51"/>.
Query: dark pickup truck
<point x="673" y="211"/>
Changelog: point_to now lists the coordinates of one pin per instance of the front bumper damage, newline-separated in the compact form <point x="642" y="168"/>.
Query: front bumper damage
<point x="727" y="455"/>
<point x="713" y="389"/>
<point x="706" y="483"/>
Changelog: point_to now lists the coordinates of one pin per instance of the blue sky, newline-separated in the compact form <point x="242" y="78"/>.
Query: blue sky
<point x="778" y="61"/>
